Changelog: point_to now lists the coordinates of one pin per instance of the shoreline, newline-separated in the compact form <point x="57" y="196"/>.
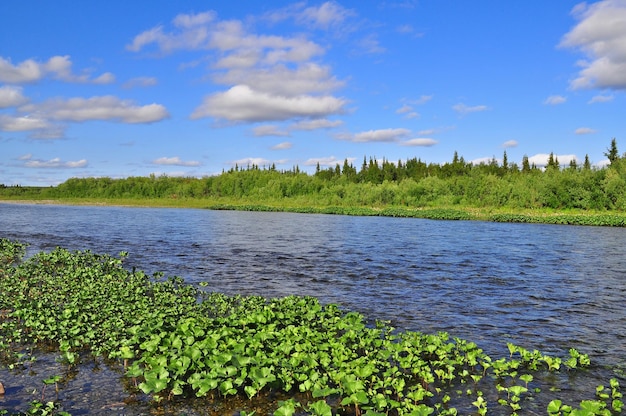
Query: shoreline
<point x="490" y="214"/>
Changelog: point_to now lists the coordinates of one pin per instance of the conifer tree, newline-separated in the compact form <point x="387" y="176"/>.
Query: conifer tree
<point x="587" y="164"/>
<point x="612" y="152"/>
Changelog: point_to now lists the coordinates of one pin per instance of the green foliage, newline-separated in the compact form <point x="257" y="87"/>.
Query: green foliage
<point x="177" y="340"/>
<point x="398" y="189"/>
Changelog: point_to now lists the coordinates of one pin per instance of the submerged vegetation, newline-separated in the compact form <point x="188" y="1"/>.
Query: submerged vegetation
<point x="174" y="341"/>
<point x="497" y="191"/>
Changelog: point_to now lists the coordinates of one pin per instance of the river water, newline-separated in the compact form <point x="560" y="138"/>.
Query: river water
<point x="545" y="287"/>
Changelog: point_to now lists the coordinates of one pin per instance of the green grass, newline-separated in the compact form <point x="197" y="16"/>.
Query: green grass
<point x="303" y="205"/>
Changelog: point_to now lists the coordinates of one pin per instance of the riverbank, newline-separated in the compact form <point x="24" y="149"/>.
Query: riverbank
<point x="454" y="212"/>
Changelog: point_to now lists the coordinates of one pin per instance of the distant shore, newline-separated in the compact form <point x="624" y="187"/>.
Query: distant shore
<point x="492" y="214"/>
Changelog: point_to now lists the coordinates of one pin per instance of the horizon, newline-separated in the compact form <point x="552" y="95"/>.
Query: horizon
<point x="112" y="89"/>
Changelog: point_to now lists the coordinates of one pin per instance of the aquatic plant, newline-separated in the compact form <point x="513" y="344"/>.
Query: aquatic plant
<point x="176" y="340"/>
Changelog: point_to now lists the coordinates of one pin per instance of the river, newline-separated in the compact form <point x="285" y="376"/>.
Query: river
<point x="545" y="287"/>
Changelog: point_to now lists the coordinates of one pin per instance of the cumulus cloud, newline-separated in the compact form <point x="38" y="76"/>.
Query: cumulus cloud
<point x="421" y="141"/>
<point x="305" y="79"/>
<point x="541" y="159"/>
<point x="382" y="135"/>
<point x="269" y="77"/>
<point x="97" y="108"/>
<point x="22" y="123"/>
<point x="554" y="100"/>
<point x="510" y="143"/>
<point x="601" y="35"/>
<point x="465" y="109"/>
<point x="249" y="161"/>
<point x="282" y="146"/>
<point x="204" y="32"/>
<point x="175" y="161"/>
<point x="329" y="161"/>
<point x="55" y="163"/>
<point x="600" y="99"/>
<point x="241" y="103"/>
<point x="584" y="130"/>
<point x="57" y="67"/>
<point x="269" y="130"/>
<point x="11" y="96"/>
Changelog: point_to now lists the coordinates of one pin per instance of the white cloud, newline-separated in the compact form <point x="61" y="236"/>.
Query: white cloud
<point x="320" y="123"/>
<point x="370" y="45"/>
<point x="382" y="135"/>
<point x="106" y="78"/>
<point x="249" y="161"/>
<point x="509" y="144"/>
<point x="55" y="163"/>
<point x="554" y="100"/>
<point x="600" y="99"/>
<point x="11" y="96"/>
<point x="174" y="161"/>
<point x="241" y="103"/>
<point x="541" y="159"/>
<point x="584" y="130"/>
<point x="404" y="109"/>
<point x="330" y="161"/>
<point x="325" y="15"/>
<point x="205" y="32"/>
<point x="328" y="15"/>
<point x="98" y="108"/>
<point x="421" y="141"/>
<point x="282" y="146"/>
<point x="269" y="77"/>
<point x="58" y="67"/>
<point x="22" y="123"/>
<point x="27" y="71"/>
<point x="422" y="100"/>
<point x="305" y="79"/>
<point x="193" y="33"/>
<point x="483" y="161"/>
<point x="601" y="35"/>
<point x="193" y="20"/>
<point x="239" y="59"/>
<point x="465" y="109"/>
<point x="269" y="130"/>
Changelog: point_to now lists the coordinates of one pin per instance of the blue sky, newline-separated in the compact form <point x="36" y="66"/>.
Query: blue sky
<point x="128" y="88"/>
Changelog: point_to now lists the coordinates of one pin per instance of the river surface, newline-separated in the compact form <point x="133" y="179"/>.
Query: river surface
<point x="545" y="287"/>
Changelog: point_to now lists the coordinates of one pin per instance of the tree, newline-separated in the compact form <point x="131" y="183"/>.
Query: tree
<point x="525" y="164"/>
<point x="587" y="164"/>
<point x="612" y="152"/>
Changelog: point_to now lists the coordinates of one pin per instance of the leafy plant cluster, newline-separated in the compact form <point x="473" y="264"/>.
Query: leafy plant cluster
<point x="412" y="183"/>
<point x="175" y="340"/>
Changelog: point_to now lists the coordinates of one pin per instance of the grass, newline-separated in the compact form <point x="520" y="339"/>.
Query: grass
<point x="304" y="205"/>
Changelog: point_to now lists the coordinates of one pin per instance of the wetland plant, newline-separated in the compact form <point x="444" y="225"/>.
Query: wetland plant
<point x="175" y="340"/>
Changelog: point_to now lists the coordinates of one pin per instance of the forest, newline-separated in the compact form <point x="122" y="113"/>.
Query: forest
<point x="412" y="183"/>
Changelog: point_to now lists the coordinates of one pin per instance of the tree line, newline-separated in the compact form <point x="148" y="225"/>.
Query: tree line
<point x="412" y="183"/>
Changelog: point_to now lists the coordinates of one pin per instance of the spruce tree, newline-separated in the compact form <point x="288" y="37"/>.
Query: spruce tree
<point x="612" y="152"/>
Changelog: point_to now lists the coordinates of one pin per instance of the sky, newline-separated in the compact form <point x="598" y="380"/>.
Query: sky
<point x="192" y="88"/>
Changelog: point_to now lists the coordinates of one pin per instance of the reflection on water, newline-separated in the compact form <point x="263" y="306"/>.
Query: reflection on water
<point x="541" y="286"/>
